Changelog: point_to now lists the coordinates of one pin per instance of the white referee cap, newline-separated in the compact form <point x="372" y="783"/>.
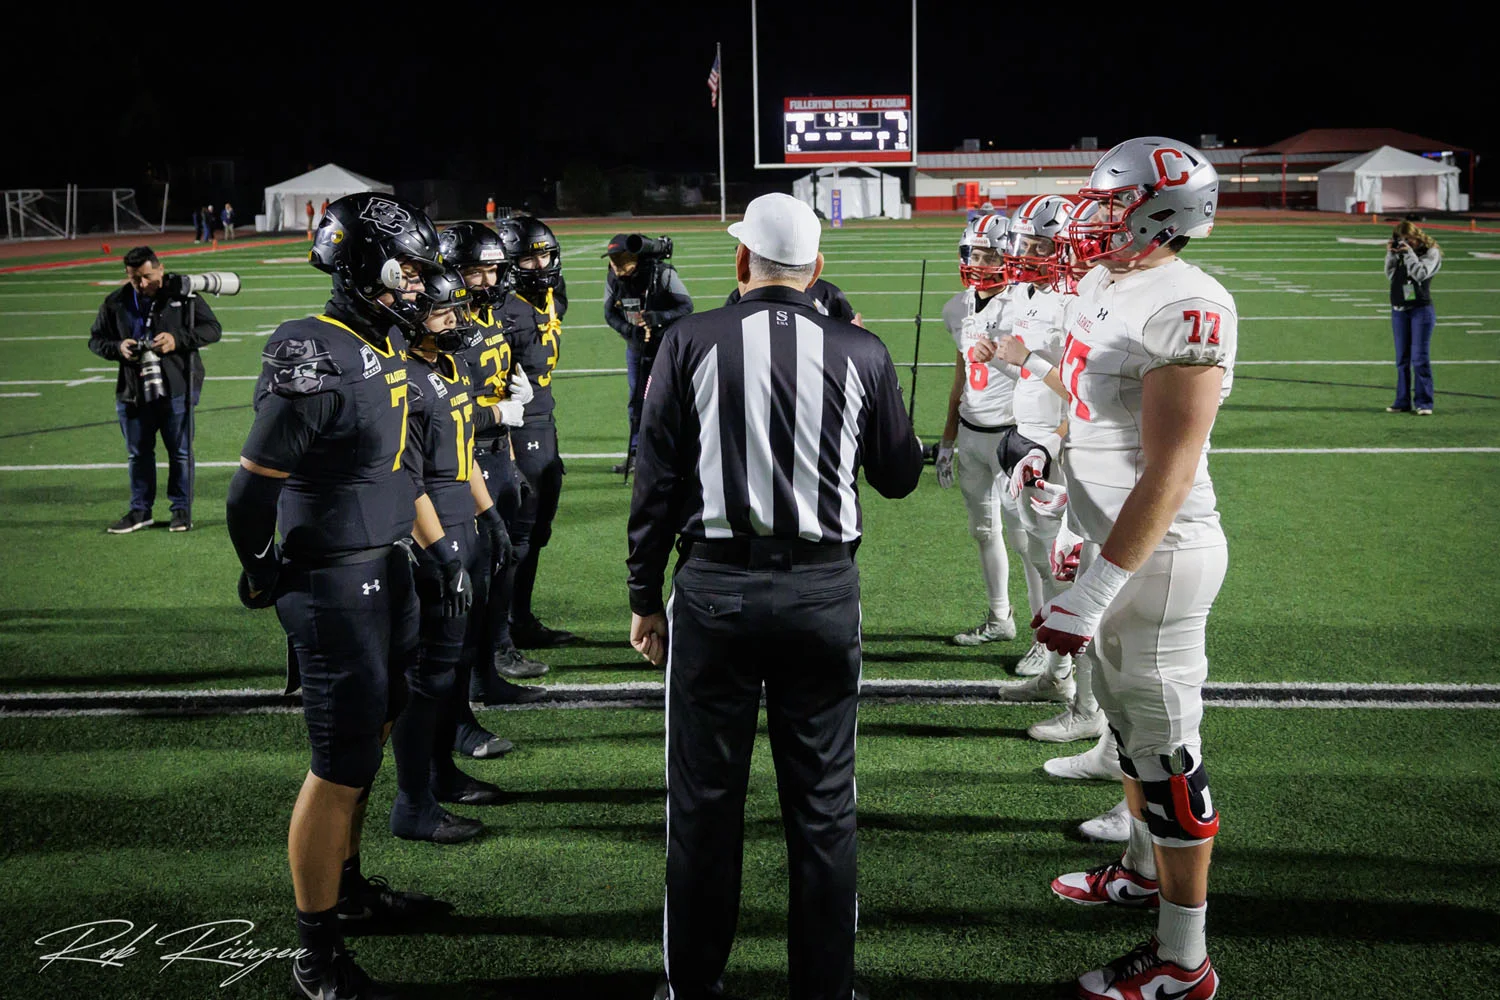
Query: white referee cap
<point x="779" y="227"/>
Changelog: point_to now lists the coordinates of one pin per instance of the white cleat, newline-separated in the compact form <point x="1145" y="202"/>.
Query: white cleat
<point x="1034" y="662"/>
<point x="1110" y="827"/>
<point x="1043" y="687"/>
<point x="1100" y="762"/>
<point x="988" y="630"/>
<point x="1069" y="726"/>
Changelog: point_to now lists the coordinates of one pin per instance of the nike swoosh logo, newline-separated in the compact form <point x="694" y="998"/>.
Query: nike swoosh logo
<point x="1163" y="994"/>
<point x="297" y="968"/>
<point x="270" y="542"/>
<point x="1127" y="894"/>
<point x="460" y="588"/>
<point x="1062" y="610"/>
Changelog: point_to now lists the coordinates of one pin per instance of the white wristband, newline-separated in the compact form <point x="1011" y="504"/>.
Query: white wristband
<point x="1098" y="585"/>
<point x="1037" y="365"/>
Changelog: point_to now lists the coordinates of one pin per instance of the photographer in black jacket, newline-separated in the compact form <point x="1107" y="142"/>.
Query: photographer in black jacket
<point x="642" y="297"/>
<point x="153" y="326"/>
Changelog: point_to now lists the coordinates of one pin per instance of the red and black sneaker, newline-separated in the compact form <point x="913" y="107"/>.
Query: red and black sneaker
<point x="1144" y="975"/>
<point x="1111" y="883"/>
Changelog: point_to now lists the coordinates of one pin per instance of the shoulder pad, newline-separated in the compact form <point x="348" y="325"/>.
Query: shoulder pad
<point x="299" y="367"/>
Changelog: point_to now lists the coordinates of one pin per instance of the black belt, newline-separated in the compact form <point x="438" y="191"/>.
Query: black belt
<point x="339" y="558"/>
<point x="767" y="553"/>
<point x="983" y="430"/>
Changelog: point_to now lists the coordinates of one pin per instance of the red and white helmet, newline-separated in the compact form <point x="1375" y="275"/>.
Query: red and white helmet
<point x="1071" y="265"/>
<point x="1031" y="244"/>
<point x="1149" y="191"/>
<point x="986" y="232"/>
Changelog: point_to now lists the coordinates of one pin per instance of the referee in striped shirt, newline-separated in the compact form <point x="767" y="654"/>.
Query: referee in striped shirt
<point x="757" y="418"/>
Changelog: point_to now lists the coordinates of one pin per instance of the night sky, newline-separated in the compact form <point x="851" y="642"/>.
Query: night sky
<point x="552" y="88"/>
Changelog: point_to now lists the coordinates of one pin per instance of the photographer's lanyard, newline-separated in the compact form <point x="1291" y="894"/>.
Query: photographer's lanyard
<point x="140" y="315"/>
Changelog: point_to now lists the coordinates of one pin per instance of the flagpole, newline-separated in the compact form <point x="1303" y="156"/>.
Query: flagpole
<point x="723" y="182"/>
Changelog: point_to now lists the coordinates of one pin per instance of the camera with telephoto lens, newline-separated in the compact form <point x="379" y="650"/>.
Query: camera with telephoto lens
<point x="153" y="386"/>
<point x="646" y="247"/>
<point x="212" y="282"/>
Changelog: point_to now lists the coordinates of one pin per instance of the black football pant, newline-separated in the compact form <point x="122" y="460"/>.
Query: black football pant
<point x="542" y="468"/>
<point x="492" y="627"/>
<point x="422" y="738"/>
<point x="796" y="631"/>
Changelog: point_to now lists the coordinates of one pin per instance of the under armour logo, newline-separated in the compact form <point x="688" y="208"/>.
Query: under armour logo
<point x="454" y="543"/>
<point x="486" y="473"/>
<point x="369" y="587"/>
<point x="1103" y="313"/>
<point x="533" y="445"/>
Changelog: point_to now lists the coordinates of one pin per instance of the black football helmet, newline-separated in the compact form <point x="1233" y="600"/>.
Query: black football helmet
<point x="536" y="238"/>
<point x="362" y="241"/>
<point x="447" y="290"/>
<point x="473" y="244"/>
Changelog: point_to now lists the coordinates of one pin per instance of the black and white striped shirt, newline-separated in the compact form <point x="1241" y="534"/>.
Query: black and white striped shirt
<point x="757" y="418"/>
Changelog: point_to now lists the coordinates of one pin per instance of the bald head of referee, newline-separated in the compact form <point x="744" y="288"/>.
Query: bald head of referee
<point x="757" y="421"/>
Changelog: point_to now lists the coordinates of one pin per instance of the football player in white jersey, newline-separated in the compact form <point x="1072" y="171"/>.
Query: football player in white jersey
<point x="1148" y="358"/>
<point x="979" y="410"/>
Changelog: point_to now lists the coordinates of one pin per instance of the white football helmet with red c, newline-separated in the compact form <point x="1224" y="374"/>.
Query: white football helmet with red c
<point x="986" y="270"/>
<point x="1149" y="191"/>
<point x="1031" y="241"/>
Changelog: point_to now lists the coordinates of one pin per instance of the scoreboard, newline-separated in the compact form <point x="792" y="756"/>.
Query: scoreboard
<point x="861" y="129"/>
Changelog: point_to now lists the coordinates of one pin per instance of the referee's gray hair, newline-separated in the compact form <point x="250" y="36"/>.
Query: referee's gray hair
<point x="764" y="269"/>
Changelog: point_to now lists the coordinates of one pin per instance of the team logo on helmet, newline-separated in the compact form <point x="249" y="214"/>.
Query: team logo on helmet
<point x="387" y="216"/>
<point x="1172" y="166"/>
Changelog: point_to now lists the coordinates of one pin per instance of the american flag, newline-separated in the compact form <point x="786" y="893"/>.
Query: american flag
<point x="713" y="83"/>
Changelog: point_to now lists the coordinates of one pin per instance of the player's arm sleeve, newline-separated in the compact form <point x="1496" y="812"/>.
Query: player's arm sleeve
<point x="250" y="516"/>
<point x="104" y="339"/>
<point x="286" y="426"/>
<point x="613" y="314"/>
<point x="677" y="300"/>
<point x="1193" y="331"/>
<point x="484" y="417"/>
<point x="205" y="328"/>
<point x="662" y="453"/>
<point x="890" y="451"/>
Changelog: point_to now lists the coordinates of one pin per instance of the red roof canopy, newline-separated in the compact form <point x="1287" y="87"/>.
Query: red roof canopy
<point x="1355" y="140"/>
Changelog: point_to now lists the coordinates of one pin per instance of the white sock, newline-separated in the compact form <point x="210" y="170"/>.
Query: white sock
<point x="1057" y="664"/>
<point x="995" y="568"/>
<point x="1084" y="702"/>
<point x="1139" y="857"/>
<point x="1180" y="934"/>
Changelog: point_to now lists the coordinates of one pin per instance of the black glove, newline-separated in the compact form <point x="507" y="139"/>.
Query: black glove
<point x="442" y="581"/>
<point x="265" y="591"/>
<point x="501" y="549"/>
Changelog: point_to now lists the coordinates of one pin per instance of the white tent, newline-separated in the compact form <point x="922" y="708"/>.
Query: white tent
<point x="286" y="203"/>
<point x="864" y="194"/>
<point x="1388" y="179"/>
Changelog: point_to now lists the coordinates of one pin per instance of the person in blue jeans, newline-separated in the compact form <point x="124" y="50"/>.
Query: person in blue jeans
<point x="1411" y="259"/>
<point x="153" y="326"/>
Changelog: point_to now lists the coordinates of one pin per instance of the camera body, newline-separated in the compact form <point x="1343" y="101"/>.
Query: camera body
<point x="647" y="248"/>
<point x="148" y="365"/>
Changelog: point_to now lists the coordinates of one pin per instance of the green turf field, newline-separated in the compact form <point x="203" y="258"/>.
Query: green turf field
<point x="1357" y="856"/>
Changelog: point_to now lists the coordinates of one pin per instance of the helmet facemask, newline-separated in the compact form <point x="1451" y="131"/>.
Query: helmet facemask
<point x="1030" y="259"/>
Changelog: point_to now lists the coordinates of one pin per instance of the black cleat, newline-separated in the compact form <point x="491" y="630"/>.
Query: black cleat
<point x="469" y="791"/>
<point x="181" y="521"/>
<point x="449" y="829"/>
<point x="532" y="634"/>
<point x="340" y="979"/>
<point x="377" y="902"/>
<point x="511" y="663"/>
<point x="506" y="693"/>
<point x="134" y="520"/>
<point x="481" y="744"/>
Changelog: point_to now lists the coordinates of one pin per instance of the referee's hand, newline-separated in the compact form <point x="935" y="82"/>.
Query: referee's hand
<point x="648" y="634"/>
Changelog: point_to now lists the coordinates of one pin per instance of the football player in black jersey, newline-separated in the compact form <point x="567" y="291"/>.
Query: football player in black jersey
<point x="443" y="419"/>
<point x="530" y="318"/>
<point x="323" y="461"/>
<point x="472" y="249"/>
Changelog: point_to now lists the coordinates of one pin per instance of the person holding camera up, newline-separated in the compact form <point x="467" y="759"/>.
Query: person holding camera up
<point x="643" y="295"/>
<point x="1411" y="259"/>
<point x="153" y="326"/>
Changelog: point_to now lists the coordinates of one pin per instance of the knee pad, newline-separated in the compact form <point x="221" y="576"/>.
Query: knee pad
<point x="351" y="761"/>
<point x="984" y="533"/>
<point x="1179" y="809"/>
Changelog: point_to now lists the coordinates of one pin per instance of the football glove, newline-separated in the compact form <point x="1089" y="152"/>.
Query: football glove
<point x="1068" y="623"/>
<point x="1067" y="548"/>
<point x="1049" y="500"/>
<point x="944" y="463"/>
<point x="519" y="387"/>
<point x="442" y="581"/>
<point x="512" y="412"/>
<point x="265" y="592"/>
<point x="501" y="549"/>
<point x="1027" y="471"/>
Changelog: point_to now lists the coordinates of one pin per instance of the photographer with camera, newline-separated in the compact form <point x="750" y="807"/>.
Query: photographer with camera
<point x="1411" y="259"/>
<point x="643" y="295"/>
<point x="154" y="326"/>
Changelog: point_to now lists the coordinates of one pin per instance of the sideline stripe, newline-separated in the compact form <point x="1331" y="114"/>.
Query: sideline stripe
<point x="570" y="456"/>
<point x="651" y="695"/>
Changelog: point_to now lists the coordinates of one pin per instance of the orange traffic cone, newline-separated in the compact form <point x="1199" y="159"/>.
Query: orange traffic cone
<point x="215" y="244"/>
<point x="1473" y="223"/>
<point x="104" y="247"/>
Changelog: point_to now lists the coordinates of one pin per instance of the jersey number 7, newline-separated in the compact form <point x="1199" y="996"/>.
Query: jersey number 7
<point x="1202" y="321"/>
<point x="1075" y="360"/>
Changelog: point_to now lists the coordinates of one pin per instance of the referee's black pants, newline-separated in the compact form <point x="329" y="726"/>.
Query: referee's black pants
<point x="731" y="629"/>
